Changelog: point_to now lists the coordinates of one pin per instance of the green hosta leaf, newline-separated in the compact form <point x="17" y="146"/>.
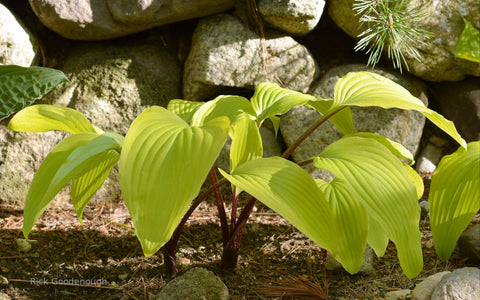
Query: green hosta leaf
<point x="343" y="119"/>
<point x="49" y="180"/>
<point x="184" y="109"/>
<point x="377" y="239"/>
<point x="289" y="190"/>
<point x="380" y="181"/>
<point x="43" y="117"/>
<point x="468" y="45"/>
<point x="416" y="179"/>
<point x="229" y="106"/>
<point x="163" y="164"/>
<point x="395" y="148"/>
<point x="454" y="197"/>
<point x="270" y="100"/>
<point x="246" y="141"/>
<point x="370" y="89"/>
<point x="20" y="86"/>
<point x="351" y="220"/>
<point x="85" y="186"/>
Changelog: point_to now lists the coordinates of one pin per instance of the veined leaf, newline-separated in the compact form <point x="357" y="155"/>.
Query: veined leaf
<point x="21" y="86"/>
<point x="270" y="100"/>
<point x="184" y="108"/>
<point x="377" y="239"/>
<point x="49" y="180"/>
<point x="229" y="106"/>
<point x="291" y="191"/>
<point x="43" y="117"/>
<point x="468" y="45"/>
<point x="379" y="180"/>
<point x="370" y="89"/>
<point x="163" y="164"/>
<point x="343" y="119"/>
<point x="351" y="219"/>
<point x="246" y="141"/>
<point x="395" y="148"/>
<point x="454" y="197"/>
<point x="85" y="186"/>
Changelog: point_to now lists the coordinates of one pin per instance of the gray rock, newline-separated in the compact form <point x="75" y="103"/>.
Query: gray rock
<point x="424" y="208"/>
<point x="424" y="290"/>
<point x="469" y="243"/>
<point x="225" y="53"/>
<point x="462" y="283"/>
<point x="428" y="159"/>
<point x="402" y="126"/>
<point x="297" y="17"/>
<point x="17" y="44"/>
<point x="111" y="85"/>
<point x="196" y="284"/>
<point x="398" y="295"/>
<point x="444" y="20"/>
<point x="367" y="263"/>
<point x="460" y="103"/>
<point x="106" y="19"/>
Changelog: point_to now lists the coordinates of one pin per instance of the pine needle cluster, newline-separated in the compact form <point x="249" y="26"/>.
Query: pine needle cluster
<point x="390" y="24"/>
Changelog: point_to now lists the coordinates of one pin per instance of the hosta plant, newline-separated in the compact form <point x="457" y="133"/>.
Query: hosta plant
<point x="167" y="154"/>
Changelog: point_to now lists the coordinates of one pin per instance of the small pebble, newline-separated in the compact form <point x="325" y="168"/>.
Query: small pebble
<point x="23" y="245"/>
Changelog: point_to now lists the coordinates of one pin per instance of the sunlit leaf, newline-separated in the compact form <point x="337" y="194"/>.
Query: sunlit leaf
<point x="270" y="100"/>
<point x="21" y="86"/>
<point x="48" y="180"/>
<point x="228" y="106"/>
<point x="454" y="197"/>
<point x="468" y="45"/>
<point x="290" y="191"/>
<point x="343" y="119"/>
<point x="351" y="220"/>
<point x="380" y="181"/>
<point x="163" y="164"/>
<point x="395" y="148"/>
<point x="85" y="186"/>
<point x="246" y="141"/>
<point x="43" y="117"/>
<point x="183" y="108"/>
<point x="370" y="89"/>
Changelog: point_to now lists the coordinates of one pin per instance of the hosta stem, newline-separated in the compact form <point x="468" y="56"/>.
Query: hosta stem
<point x="170" y="248"/>
<point x="308" y="132"/>
<point x="220" y="206"/>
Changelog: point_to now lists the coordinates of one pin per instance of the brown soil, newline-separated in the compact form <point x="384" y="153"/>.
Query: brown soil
<point x="274" y="258"/>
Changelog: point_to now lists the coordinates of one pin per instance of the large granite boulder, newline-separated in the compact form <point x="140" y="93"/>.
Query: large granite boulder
<point x="296" y="17"/>
<point x="111" y="85"/>
<point x="225" y="53"/>
<point x="401" y="126"/>
<point x="460" y="103"/>
<point x="444" y="20"/>
<point x="106" y="19"/>
<point x="18" y="46"/>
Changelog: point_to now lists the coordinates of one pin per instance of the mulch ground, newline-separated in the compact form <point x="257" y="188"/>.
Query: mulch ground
<point x="103" y="259"/>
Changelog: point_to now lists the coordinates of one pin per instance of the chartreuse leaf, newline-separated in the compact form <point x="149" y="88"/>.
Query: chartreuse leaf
<point x="43" y="117"/>
<point x="468" y="45"/>
<point x="229" y="106"/>
<point x="370" y="89"/>
<point x="454" y="197"/>
<point x="380" y="181"/>
<point x="184" y="108"/>
<point x="270" y="100"/>
<point x="351" y="220"/>
<point x="21" y="86"/>
<point x="108" y="147"/>
<point x="342" y="119"/>
<point x="377" y="239"/>
<point x="291" y="191"/>
<point x="163" y="164"/>
<point x="246" y="141"/>
<point x="48" y="180"/>
<point x="71" y="158"/>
